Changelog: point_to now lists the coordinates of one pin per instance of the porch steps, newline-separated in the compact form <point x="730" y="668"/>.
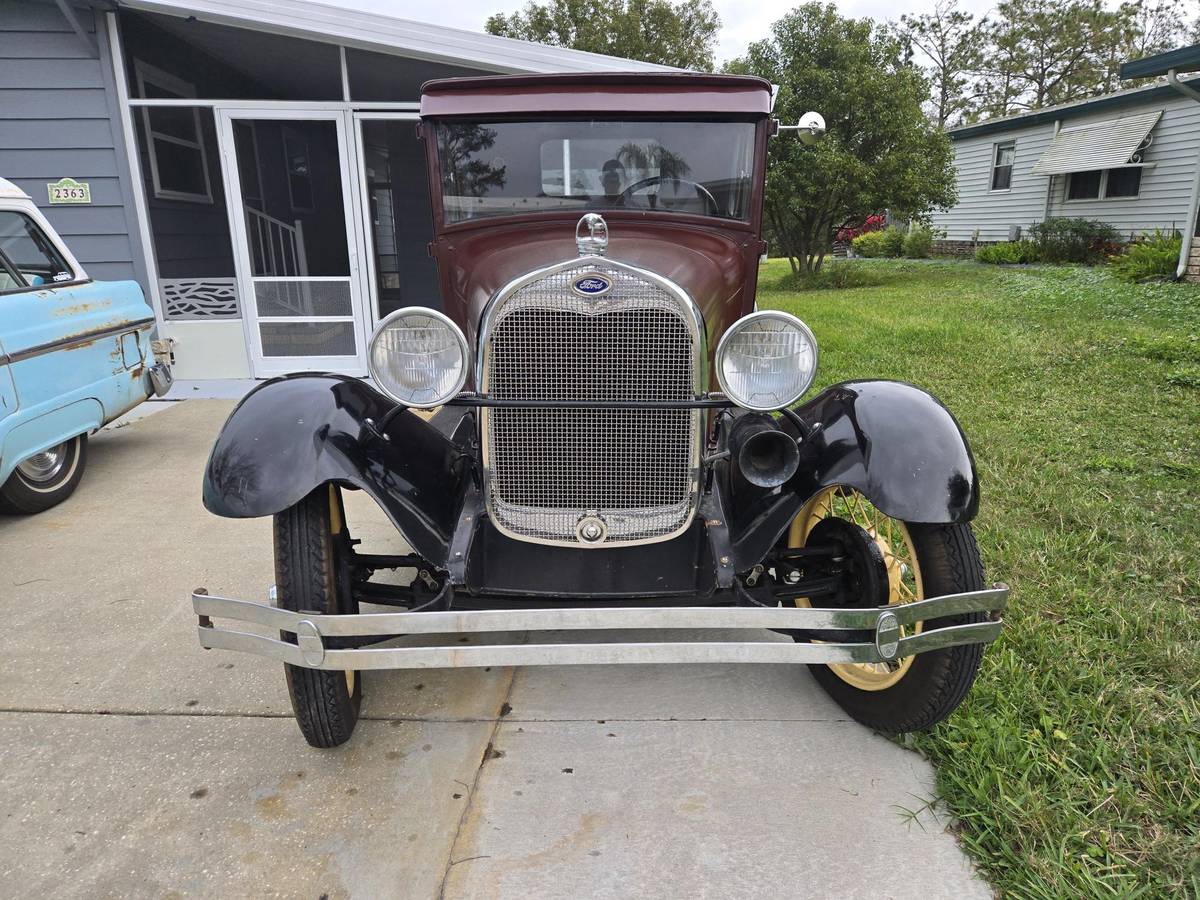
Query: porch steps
<point x="1192" y="273"/>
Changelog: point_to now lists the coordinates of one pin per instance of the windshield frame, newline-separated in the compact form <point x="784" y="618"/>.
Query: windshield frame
<point x="752" y="223"/>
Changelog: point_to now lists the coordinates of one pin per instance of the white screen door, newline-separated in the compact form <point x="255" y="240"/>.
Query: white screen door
<point x="289" y="195"/>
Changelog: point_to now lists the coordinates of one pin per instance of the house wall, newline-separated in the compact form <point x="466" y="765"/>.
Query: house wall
<point x="58" y="117"/>
<point x="1162" y="201"/>
<point x="1166" y="189"/>
<point x="992" y="213"/>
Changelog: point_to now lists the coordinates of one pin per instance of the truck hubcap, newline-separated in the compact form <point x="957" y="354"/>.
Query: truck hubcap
<point x="45" y="466"/>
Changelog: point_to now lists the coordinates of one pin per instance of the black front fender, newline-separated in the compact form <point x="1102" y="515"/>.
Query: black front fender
<point x="290" y="435"/>
<point x="894" y="443"/>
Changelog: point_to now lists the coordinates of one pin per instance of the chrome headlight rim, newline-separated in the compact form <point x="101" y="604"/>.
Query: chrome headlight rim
<point x="759" y="315"/>
<point x="463" y="349"/>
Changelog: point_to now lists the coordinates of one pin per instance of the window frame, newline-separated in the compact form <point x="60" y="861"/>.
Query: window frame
<point x="995" y="166"/>
<point x="50" y="239"/>
<point x="1102" y="196"/>
<point x="165" y="81"/>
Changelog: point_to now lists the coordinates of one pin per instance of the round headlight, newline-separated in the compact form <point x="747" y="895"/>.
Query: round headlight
<point x="418" y="357"/>
<point x="766" y="361"/>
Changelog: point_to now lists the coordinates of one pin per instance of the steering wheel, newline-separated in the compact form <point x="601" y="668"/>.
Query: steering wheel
<point x="701" y="190"/>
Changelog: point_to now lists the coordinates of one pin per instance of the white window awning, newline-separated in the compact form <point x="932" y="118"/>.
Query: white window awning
<point x="1097" y="145"/>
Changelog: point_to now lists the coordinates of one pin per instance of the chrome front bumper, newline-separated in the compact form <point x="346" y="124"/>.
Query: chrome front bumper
<point x="311" y="631"/>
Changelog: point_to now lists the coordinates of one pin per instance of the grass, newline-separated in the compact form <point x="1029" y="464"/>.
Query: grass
<point x="1073" y="768"/>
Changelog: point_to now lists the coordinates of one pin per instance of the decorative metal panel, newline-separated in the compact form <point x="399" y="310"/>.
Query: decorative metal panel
<point x="199" y="298"/>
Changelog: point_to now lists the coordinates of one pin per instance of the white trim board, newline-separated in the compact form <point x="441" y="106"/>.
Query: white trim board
<point x="387" y="34"/>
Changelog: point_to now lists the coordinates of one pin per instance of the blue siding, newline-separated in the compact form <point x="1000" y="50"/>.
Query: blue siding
<point x="60" y="120"/>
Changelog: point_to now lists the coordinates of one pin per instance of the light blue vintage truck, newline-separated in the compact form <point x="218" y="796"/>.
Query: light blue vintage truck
<point x="74" y="354"/>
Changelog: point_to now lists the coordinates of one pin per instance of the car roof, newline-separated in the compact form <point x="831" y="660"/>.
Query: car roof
<point x="635" y="93"/>
<point x="9" y="191"/>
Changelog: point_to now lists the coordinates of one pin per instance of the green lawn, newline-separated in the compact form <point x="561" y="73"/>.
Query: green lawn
<point x="1073" y="768"/>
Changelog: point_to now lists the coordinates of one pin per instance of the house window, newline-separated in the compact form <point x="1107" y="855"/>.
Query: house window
<point x="1123" y="182"/>
<point x="1002" y="166"/>
<point x="1084" y="185"/>
<point x="1104" y="183"/>
<point x="178" y="163"/>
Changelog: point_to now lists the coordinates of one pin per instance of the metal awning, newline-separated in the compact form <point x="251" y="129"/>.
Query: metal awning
<point x="1097" y="145"/>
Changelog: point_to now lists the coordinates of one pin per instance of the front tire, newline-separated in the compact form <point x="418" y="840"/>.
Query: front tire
<point x="931" y="560"/>
<point x="46" y="479"/>
<point x="310" y="538"/>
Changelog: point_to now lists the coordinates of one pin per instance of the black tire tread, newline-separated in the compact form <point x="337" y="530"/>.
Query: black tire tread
<point x="938" y="681"/>
<point x="17" y="499"/>
<point x="305" y="579"/>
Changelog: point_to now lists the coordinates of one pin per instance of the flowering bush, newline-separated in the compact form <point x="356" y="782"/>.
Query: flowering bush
<point x="873" y="223"/>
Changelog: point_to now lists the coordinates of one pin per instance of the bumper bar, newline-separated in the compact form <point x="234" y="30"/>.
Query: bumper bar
<point x="311" y="631"/>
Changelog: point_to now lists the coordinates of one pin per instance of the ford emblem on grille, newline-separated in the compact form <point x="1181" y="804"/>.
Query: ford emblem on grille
<point x="593" y="284"/>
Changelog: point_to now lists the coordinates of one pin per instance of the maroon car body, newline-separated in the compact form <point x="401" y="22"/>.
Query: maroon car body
<point x="715" y="260"/>
<point x="618" y="441"/>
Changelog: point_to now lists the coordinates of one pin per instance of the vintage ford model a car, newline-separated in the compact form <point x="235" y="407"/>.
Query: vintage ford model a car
<point x="616" y="445"/>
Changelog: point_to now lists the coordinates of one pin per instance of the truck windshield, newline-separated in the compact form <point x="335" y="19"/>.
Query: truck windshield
<point x="511" y="168"/>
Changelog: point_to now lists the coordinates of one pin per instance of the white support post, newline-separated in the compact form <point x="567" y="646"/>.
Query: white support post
<point x="141" y="210"/>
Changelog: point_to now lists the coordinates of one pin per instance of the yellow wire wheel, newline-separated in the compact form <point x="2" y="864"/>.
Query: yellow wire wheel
<point x="903" y="569"/>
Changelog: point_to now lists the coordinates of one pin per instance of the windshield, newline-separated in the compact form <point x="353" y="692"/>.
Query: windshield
<point x="509" y="168"/>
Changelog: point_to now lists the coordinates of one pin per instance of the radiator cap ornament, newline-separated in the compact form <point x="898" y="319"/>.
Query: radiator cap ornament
<point x="591" y="235"/>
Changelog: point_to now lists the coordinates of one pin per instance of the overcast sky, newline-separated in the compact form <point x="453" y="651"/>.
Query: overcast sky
<point x="742" y="21"/>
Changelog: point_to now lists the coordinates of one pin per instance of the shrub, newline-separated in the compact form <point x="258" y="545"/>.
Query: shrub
<point x="1008" y="253"/>
<point x="1067" y="240"/>
<point x="918" y="242"/>
<point x="834" y="275"/>
<point x="1152" y="258"/>
<point x="893" y="242"/>
<point x="869" y="244"/>
<point x="873" y="223"/>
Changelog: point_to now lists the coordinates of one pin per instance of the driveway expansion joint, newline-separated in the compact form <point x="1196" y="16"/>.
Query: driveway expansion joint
<point x="458" y="720"/>
<point x="488" y="753"/>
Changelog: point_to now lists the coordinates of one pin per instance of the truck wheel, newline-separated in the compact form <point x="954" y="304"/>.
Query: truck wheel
<point x="917" y="692"/>
<point x="310" y="541"/>
<point x="46" y="479"/>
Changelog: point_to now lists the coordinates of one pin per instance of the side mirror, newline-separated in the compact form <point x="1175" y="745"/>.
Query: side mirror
<point x="809" y="129"/>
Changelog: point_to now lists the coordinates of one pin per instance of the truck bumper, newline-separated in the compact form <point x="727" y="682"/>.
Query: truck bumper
<point x="310" y="636"/>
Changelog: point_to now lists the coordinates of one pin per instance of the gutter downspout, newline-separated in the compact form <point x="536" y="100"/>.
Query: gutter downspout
<point x="1189" y="235"/>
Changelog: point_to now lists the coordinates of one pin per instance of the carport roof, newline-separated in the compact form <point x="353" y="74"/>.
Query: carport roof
<point x="388" y="34"/>
<point x="1184" y="59"/>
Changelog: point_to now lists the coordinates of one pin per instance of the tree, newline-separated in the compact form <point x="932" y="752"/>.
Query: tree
<point x="681" y="34"/>
<point x="1044" y="52"/>
<point x="1156" y="26"/>
<point x="952" y="42"/>
<point x="880" y="150"/>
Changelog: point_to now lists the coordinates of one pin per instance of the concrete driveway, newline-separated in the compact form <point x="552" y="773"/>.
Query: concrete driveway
<point x="135" y="764"/>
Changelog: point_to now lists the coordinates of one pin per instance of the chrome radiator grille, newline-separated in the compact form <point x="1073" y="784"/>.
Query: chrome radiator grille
<point x="551" y="468"/>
